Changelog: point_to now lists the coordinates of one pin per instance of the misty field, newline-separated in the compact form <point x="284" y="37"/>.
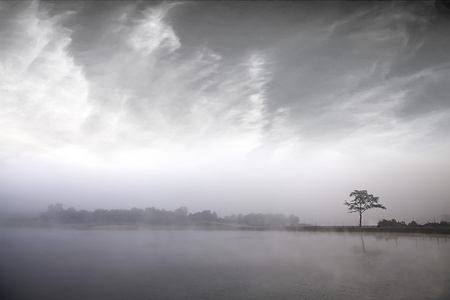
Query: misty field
<point x="186" y="264"/>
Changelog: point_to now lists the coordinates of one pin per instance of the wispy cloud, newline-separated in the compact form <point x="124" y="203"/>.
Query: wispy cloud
<point x="43" y="92"/>
<point x="149" y="96"/>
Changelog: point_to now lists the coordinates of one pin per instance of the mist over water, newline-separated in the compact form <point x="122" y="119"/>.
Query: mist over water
<point x="71" y="264"/>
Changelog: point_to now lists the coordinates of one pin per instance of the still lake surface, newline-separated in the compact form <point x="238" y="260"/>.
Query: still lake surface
<point x="146" y="264"/>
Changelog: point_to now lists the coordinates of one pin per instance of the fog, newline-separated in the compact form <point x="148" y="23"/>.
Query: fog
<point x="233" y="107"/>
<point x="92" y="264"/>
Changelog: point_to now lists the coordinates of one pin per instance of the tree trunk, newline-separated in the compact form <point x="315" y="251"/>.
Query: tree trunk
<point x="360" y="218"/>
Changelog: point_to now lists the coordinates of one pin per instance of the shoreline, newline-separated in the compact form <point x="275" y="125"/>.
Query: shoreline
<point x="236" y="227"/>
<point x="371" y="229"/>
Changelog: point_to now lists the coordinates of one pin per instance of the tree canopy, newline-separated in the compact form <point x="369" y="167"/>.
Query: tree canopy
<point x="361" y="202"/>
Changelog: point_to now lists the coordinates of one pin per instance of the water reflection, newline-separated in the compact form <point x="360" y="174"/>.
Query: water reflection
<point x="222" y="265"/>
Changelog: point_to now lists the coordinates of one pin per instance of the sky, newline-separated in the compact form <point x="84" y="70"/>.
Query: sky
<point x="235" y="107"/>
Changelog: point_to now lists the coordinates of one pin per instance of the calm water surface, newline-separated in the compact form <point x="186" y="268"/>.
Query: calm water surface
<point x="82" y="264"/>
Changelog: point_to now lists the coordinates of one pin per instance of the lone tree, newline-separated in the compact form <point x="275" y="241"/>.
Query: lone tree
<point x="362" y="201"/>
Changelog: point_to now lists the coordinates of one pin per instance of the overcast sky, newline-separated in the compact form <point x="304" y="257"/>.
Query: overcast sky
<point x="235" y="107"/>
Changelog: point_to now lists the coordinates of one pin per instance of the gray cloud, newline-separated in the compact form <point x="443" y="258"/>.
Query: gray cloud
<point x="260" y="106"/>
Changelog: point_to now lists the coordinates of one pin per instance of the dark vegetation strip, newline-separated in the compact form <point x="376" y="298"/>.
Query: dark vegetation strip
<point x="423" y="229"/>
<point x="180" y="219"/>
<point x="153" y="217"/>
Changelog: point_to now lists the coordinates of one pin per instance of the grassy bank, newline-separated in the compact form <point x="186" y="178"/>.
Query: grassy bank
<point x="427" y="230"/>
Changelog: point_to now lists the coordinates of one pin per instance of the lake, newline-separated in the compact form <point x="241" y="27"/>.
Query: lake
<point x="187" y="264"/>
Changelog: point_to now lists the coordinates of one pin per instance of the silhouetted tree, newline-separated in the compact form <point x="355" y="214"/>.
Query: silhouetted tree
<point x="362" y="201"/>
<point x="293" y="220"/>
<point x="263" y="220"/>
<point x="54" y="213"/>
<point x="413" y="224"/>
<point x="392" y="223"/>
<point x="203" y="217"/>
<point x="444" y="223"/>
<point x="181" y="215"/>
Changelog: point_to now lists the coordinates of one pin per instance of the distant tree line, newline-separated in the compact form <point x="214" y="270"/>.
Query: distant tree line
<point x="153" y="216"/>
<point x="264" y="220"/>
<point x="395" y="223"/>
